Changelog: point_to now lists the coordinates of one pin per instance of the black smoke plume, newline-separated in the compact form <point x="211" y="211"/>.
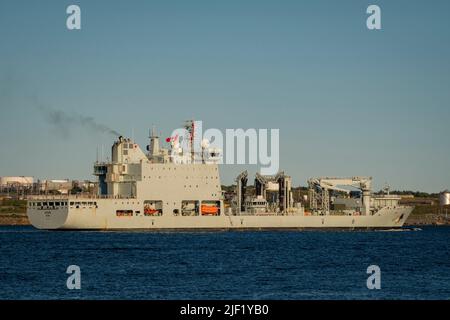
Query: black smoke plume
<point x="65" y="122"/>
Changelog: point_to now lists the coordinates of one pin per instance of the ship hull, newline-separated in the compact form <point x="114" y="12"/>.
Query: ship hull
<point x="103" y="217"/>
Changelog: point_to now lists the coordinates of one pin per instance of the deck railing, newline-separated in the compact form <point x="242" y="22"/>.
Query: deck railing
<point x="76" y="196"/>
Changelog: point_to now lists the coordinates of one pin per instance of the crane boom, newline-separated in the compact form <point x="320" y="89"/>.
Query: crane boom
<point x="319" y="190"/>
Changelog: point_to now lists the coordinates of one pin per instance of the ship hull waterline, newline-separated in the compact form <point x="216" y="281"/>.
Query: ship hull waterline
<point x="65" y="219"/>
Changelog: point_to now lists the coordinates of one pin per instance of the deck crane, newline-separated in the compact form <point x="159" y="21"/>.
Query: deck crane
<point x="319" y="188"/>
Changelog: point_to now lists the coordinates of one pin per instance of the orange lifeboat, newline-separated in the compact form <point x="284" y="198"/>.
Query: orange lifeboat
<point x="209" y="210"/>
<point x="149" y="211"/>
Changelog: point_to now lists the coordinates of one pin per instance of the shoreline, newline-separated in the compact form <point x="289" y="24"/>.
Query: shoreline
<point x="14" y="220"/>
<point x="427" y="220"/>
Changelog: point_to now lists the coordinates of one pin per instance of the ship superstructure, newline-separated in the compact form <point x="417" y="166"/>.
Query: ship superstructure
<point x="180" y="188"/>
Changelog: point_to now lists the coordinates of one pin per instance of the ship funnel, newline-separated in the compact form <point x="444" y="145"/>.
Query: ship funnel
<point x="154" y="143"/>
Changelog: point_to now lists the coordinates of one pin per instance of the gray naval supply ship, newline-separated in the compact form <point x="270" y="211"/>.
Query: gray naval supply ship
<point x="165" y="189"/>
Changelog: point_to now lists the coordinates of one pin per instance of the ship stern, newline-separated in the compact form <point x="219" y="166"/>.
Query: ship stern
<point x="47" y="214"/>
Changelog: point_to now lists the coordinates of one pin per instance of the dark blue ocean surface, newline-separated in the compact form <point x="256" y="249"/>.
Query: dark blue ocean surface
<point x="224" y="265"/>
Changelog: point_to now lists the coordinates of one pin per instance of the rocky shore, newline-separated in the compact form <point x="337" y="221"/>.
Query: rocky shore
<point x="14" y="219"/>
<point x="428" y="219"/>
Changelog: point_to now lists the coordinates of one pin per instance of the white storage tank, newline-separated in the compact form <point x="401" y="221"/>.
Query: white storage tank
<point x="444" y="198"/>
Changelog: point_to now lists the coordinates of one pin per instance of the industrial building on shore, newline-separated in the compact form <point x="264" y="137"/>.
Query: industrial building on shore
<point x="21" y="186"/>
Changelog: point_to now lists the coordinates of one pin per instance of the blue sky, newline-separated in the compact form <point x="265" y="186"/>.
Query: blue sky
<point x="347" y="101"/>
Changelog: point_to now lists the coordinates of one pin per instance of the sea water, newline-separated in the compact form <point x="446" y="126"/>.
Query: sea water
<point x="413" y="264"/>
